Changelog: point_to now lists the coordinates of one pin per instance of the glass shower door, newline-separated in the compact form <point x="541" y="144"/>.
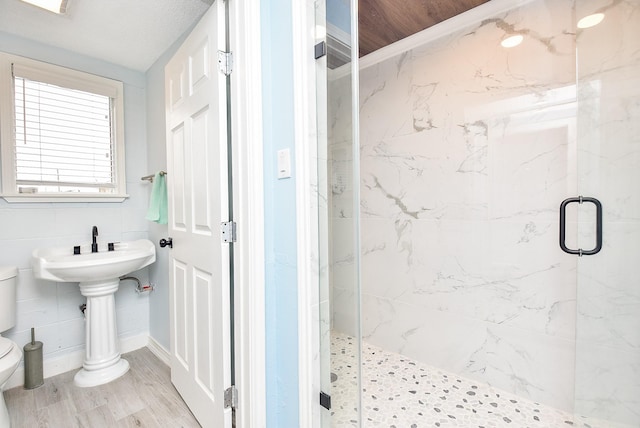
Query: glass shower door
<point x="468" y="147"/>
<point x="608" y="291"/>
<point x="338" y="214"/>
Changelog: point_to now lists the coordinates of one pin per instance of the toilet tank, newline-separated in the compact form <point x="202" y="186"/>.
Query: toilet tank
<point x="7" y="297"/>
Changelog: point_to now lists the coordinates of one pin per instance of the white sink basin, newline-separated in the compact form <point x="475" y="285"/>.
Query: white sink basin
<point x="60" y="264"/>
<point x="98" y="276"/>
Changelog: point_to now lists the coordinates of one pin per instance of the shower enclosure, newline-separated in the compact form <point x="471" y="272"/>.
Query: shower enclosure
<point x="443" y="168"/>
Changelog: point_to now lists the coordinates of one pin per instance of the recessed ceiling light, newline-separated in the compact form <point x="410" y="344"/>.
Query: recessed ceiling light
<point x="591" y="20"/>
<point x="512" y="41"/>
<point x="55" y="6"/>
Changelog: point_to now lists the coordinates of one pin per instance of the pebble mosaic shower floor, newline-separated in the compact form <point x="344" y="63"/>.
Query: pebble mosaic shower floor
<point x="401" y="393"/>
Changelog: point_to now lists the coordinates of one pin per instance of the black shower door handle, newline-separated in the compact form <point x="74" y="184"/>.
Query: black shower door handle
<point x="563" y="224"/>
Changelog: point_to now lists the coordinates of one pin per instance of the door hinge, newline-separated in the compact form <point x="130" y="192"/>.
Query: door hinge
<point x="325" y="400"/>
<point x="231" y="397"/>
<point x="228" y="230"/>
<point x="225" y="62"/>
<point x="320" y="50"/>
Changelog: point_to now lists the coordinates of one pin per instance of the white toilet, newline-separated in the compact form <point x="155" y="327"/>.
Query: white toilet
<point x="10" y="354"/>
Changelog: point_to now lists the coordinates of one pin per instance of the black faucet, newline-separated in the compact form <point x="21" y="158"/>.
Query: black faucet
<point x="94" y="244"/>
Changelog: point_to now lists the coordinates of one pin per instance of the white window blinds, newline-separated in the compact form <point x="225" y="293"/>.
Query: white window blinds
<point x="63" y="139"/>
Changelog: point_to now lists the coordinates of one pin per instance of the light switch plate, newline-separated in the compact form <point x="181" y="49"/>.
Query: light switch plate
<point x="284" y="163"/>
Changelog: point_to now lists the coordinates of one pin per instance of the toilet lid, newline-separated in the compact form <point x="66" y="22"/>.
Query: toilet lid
<point x="5" y="346"/>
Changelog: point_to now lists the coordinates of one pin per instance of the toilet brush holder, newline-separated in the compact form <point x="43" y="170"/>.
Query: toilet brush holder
<point x="33" y="375"/>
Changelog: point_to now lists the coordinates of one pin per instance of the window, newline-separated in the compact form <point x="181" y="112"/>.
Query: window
<point x="61" y="133"/>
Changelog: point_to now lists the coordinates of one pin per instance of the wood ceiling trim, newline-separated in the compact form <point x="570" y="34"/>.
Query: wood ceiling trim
<point x="382" y="22"/>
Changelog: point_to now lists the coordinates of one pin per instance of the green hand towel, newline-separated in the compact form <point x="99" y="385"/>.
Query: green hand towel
<point x="158" y="202"/>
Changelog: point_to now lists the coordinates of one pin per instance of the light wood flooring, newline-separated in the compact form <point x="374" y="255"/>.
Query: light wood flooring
<point x="144" y="397"/>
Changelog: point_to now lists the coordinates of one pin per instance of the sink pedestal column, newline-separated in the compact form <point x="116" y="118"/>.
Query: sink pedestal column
<point x="102" y="362"/>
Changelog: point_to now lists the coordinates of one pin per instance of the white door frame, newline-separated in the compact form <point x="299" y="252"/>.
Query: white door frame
<point x="305" y="131"/>
<point x="248" y="191"/>
<point x="248" y="199"/>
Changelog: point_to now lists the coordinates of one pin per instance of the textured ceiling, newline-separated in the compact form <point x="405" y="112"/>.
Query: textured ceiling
<point x="130" y="33"/>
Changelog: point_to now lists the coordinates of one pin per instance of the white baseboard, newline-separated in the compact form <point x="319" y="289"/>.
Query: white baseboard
<point x="159" y="351"/>
<point x="73" y="360"/>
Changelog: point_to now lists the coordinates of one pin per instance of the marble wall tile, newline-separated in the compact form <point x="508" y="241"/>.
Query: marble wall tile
<point x="345" y="311"/>
<point x="478" y="269"/>
<point x="608" y="390"/>
<point x="340" y="181"/>
<point x="339" y="110"/>
<point x="428" y="336"/>
<point x="609" y="291"/>
<point x="536" y="366"/>
<point x="610" y="141"/>
<point x="343" y="253"/>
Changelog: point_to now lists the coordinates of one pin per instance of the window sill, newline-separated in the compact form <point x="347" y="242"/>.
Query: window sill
<point x="66" y="198"/>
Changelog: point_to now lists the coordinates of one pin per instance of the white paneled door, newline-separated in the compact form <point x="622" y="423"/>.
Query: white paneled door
<point x="196" y="99"/>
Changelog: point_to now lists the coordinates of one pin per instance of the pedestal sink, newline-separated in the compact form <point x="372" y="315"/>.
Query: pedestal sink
<point x="98" y="277"/>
